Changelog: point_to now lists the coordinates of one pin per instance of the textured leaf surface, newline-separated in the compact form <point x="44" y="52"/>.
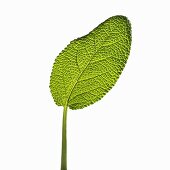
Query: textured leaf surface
<point x="90" y="66"/>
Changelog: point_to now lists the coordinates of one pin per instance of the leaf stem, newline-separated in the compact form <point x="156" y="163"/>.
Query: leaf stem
<point x="64" y="141"/>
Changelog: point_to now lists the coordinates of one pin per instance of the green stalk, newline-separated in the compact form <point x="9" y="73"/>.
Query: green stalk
<point x="64" y="141"/>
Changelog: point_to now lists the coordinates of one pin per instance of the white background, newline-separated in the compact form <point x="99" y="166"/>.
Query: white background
<point x="129" y="129"/>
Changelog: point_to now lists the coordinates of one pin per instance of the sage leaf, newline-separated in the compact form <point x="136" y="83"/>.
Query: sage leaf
<point x="89" y="67"/>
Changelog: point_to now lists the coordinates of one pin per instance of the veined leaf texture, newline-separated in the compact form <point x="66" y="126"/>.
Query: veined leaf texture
<point x="90" y="65"/>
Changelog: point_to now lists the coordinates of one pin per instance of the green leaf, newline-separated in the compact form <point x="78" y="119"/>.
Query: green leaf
<point x="90" y="66"/>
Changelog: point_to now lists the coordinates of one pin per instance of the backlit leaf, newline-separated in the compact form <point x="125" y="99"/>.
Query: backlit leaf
<point x="90" y="66"/>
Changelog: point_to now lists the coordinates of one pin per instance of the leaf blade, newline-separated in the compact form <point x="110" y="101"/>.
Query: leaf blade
<point x="90" y="66"/>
